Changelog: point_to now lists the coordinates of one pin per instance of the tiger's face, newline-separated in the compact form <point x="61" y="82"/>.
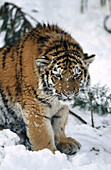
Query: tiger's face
<point x="67" y="79"/>
<point x="64" y="77"/>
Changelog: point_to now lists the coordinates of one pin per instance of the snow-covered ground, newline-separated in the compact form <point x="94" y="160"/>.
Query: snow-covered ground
<point x="95" y="153"/>
<point x="88" y="30"/>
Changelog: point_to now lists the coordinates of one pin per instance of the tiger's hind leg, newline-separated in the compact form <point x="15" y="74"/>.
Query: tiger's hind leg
<point x="65" y="144"/>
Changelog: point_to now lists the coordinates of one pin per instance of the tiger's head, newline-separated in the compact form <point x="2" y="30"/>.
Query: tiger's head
<point x="63" y="69"/>
<point x="65" y="76"/>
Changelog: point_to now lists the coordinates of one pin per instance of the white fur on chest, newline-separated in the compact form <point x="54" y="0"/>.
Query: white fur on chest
<point x="56" y="105"/>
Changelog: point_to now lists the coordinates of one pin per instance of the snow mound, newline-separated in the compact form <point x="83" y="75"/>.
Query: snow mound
<point x="7" y="138"/>
<point x="95" y="153"/>
<point x="17" y="157"/>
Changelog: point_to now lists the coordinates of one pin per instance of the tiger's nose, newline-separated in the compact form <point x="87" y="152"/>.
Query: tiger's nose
<point x="68" y="94"/>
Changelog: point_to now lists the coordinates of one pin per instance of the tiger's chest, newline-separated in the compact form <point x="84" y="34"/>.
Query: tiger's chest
<point x="56" y="105"/>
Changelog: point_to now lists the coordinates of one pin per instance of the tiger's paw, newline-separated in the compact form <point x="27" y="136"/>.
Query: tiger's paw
<point x="68" y="146"/>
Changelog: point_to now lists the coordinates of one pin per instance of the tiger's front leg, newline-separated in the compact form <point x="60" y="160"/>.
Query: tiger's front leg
<point x="40" y="132"/>
<point x="65" y="144"/>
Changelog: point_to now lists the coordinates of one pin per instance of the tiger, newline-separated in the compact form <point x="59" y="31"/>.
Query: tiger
<point x="39" y="76"/>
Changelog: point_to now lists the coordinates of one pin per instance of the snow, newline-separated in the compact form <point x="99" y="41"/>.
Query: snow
<point x="88" y="30"/>
<point x="95" y="153"/>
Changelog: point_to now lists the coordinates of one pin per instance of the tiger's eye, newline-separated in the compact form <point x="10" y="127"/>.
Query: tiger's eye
<point x="79" y="72"/>
<point x="55" y="69"/>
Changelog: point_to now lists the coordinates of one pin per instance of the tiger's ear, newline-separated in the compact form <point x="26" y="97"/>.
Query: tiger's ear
<point x="42" y="61"/>
<point x="88" y="59"/>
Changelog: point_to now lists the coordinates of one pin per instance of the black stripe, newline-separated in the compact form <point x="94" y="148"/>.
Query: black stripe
<point x="5" y="101"/>
<point x="44" y="83"/>
<point x="20" y="59"/>
<point x="42" y="39"/>
<point x="12" y="56"/>
<point x="21" y="74"/>
<point x="55" y="47"/>
<point x="52" y="78"/>
<point x="53" y="28"/>
<point x="9" y="93"/>
<point x="49" y="27"/>
<point x="76" y="46"/>
<point x="56" y="53"/>
<point x="63" y="44"/>
<point x="45" y="117"/>
<point x="41" y="99"/>
<point x="85" y="73"/>
<point x="63" y="61"/>
<point x="4" y="56"/>
<point x="68" y="57"/>
<point x="17" y="73"/>
<point x="39" y="25"/>
<point x="54" y="117"/>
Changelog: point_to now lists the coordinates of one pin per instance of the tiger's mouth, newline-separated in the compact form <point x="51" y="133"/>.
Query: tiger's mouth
<point x="67" y="97"/>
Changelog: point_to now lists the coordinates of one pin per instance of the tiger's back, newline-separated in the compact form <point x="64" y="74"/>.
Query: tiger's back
<point x="46" y="66"/>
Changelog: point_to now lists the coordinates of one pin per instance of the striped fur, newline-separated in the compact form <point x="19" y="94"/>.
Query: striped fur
<point x="46" y="67"/>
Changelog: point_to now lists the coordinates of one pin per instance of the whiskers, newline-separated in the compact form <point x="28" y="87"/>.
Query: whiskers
<point x="51" y="98"/>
